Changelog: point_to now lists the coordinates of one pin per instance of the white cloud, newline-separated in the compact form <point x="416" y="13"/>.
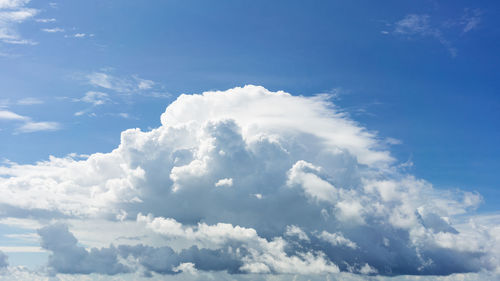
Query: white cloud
<point x="21" y="249"/>
<point x="393" y="141"/>
<point x="218" y="234"/>
<point x="145" y="84"/>
<point x="100" y="79"/>
<point x="186" y="267"/>
<point x="29" y="101"/>
<point x="124" y="115"/>
<point x="12" y="13"/>
<point x="9" y="115"/>
<point x="20" y="42"/>
<point x="12" y="4"/>
<point x="367" y="269"/>
<point x="420" y="25"/>
<point x="337" y="239"/>
<point x="20" y="273"/>
<point x="79" y="35"/>
<point x="95" y="98"/>
<point x="79" y="113"/>
<point x="52" y="30"/>
<point x="224" y="182"/>
<point x="314" y="192"/>
<point x="293" y="230"/>
<point x="119" y="84"/>
<point x="30" y="127"/>
<point x="414" y="24"/>
<point x="471" y="19"/>
<point x="304" y="174"/>
<point x="46" y="20"/>
<point x="236" y="249"/>
<point x="264" y="256"/>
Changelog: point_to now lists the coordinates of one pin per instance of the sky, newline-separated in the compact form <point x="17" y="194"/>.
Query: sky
<point x="186" y="140"/>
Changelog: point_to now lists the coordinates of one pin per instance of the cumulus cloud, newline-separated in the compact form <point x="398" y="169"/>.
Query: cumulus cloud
<point x="246" y="253"/>
<point x="224" y="182"/>
<point x="293" y="230"/>
<point x="312" y="192"/>
<point x="337" y="239"/>
<point x="68" y="257"/>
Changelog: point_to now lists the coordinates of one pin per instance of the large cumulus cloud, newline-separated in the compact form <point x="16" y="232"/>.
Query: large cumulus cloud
<point x="254" y="181"/>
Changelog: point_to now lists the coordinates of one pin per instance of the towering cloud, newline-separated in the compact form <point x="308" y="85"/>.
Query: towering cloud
<point x="252" y="181"/>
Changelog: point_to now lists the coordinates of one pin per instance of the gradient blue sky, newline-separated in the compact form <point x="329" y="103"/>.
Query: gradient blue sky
<point x="430" y="82"/>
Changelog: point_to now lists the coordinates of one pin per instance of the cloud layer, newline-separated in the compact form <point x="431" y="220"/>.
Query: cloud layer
<point x="251" y="181"/>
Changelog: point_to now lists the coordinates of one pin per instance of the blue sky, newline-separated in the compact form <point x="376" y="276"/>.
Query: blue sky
<point x="423" y="75"/>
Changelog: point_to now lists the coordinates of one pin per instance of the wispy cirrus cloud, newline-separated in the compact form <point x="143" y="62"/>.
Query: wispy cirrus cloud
<point x="9" y="115"/>
<point x="111" y="88"/>
<point x="79" y="35"/>
<point x="471" y="19"/>
<point x="15" y="12"/>
<point x="52" y="30"/>
<point x="129" y="84"/>
<point x="421" y="25"/>
<point x="123" y="84"/>
<point x="27" y="125"/>
<point x="12" y="13"/>
<point x="12" y="4"/>
<point x="46" y="20"/>
<point x="414" y="24"/>
<point x="29" y="101"/>
<point x="23" y="101"/>
<point x="30" y="127"/>
<point x="95" y="98"/>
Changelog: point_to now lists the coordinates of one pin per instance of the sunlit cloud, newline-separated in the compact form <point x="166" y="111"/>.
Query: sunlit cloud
<point x="232" y="183"/>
